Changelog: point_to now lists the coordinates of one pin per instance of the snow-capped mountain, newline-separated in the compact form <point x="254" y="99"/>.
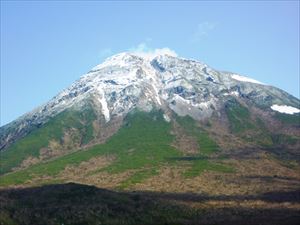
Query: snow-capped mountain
<point x="131" y="80"/>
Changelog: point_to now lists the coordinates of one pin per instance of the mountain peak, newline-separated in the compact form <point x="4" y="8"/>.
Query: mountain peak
<point x="157" y="79"/>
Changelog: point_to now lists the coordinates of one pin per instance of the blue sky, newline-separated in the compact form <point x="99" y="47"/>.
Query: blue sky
<point x="45" y="46"/>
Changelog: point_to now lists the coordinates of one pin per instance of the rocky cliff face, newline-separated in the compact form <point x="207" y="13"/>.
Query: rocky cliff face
<point x="126" y="81"/>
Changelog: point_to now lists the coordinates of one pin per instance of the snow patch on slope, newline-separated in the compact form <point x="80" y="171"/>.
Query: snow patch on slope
<point x="234" y="93"/>
<point x="245" y="79"/>
<point x="167" y="118"/>
<point x="104" y="104"/>
<point x="285" y="109"/>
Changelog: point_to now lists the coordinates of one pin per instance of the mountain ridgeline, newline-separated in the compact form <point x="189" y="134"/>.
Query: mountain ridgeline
<point x="141" y="112"/>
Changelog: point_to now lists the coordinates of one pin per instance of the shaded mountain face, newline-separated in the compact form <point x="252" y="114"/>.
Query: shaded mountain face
<point x="132" y="114"/>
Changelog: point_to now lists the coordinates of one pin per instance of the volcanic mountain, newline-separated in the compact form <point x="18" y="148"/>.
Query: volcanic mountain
<point x="158" y="122"/>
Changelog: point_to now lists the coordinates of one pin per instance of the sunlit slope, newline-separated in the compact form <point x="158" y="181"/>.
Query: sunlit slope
<point x="141" y="146"/>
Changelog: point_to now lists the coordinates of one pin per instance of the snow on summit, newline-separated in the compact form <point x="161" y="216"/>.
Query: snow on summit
<point x="123" y="59"/>
<point x="147" y="78"/>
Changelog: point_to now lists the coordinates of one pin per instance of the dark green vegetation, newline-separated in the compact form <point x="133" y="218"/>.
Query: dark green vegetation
<point x="293" y="119"/>
<point x="199" y="166"/>
<point x="253" y="130"/>
<point x="206" y="144"/>
<point x="207" y="147"/>
<point x="75" y="204"/>
<point x="143" y="141"/>
<point x="281" y="139"/>
<point x="143" y="144"/>
<point x="53" y="130"/>
<point x="238" y="116"/>
<point x="138" y="177"/>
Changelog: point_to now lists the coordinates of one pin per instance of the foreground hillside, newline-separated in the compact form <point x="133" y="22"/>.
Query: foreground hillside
<point x="76" y="204"/>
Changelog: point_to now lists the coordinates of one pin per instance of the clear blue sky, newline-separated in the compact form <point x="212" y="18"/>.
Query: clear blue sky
<point x="45" y="46"/>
